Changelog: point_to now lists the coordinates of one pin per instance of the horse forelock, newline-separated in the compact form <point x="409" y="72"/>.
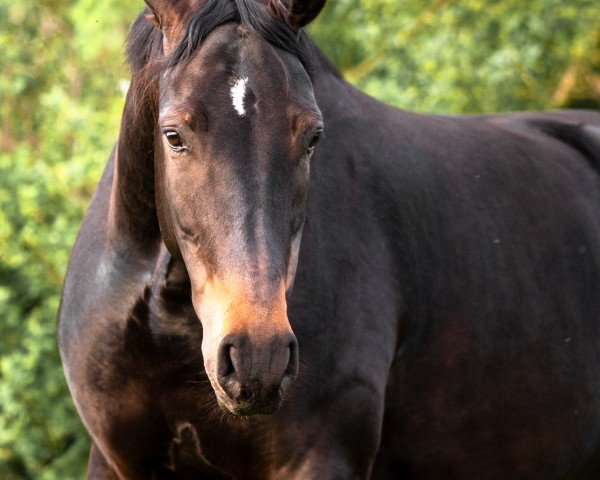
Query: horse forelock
<point x="274" y="28"/>
<point x="145" y="52"/>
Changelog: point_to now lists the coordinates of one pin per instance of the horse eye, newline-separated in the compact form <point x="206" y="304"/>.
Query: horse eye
<point x="174" y="140"/>
<point x="313" y="143"/>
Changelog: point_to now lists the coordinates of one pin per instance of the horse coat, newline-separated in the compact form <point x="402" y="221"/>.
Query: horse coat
<point x="443" y="319"/>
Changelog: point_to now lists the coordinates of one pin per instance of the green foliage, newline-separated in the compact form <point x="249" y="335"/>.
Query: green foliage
<point x="62" y="76"/>
<point x="60" y="102"/>
<point x="466" y="56"/>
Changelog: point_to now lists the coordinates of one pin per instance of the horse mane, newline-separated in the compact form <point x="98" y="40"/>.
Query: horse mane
<point x="274" y="29"/>
<point x="144" y="44"/>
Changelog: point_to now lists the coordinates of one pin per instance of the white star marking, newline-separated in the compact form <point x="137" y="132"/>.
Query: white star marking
<point x="238" y="92"/>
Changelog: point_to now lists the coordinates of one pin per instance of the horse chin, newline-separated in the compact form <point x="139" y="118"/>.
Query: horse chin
<point x="248" y="409"/>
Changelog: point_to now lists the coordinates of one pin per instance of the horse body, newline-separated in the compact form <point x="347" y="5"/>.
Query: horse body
<point x="445" y="306"/>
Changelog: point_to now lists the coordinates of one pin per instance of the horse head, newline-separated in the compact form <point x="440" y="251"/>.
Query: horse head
<point x="236" y="128"/>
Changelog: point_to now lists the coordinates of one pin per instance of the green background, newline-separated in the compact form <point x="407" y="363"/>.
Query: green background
<point x="62" y="84"/>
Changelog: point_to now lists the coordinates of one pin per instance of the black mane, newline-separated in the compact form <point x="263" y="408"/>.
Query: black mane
<point x="145" y="40"/>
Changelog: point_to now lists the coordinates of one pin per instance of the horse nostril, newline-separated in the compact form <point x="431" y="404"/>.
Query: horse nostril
<point x="225" y="366"/>
<point x="292" y="368"/>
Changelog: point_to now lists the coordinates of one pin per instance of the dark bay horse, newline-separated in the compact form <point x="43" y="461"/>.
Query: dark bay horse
<point x="425" y="304"/>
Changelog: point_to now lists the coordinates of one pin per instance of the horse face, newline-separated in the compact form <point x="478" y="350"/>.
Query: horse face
<point x="237" y="127"/>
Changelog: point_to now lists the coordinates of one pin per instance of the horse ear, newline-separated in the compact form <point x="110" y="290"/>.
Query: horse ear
<point x="158" y="11"/>
<point x="152" y="16"/>
<point x="171" y="16"/>
<point x="297" y="13"/>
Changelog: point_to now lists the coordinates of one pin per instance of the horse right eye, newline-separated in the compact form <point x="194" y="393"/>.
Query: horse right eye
<point x="174" y="140"/>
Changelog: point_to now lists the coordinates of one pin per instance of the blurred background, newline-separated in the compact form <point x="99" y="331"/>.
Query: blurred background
<point x="62" y="84"/>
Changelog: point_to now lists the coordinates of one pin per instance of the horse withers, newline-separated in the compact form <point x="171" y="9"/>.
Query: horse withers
<point x="424" y="304"/>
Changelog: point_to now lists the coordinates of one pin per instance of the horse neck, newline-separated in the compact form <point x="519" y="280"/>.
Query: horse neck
<point x="335" y="96"/>
<point x="133" y="209"/>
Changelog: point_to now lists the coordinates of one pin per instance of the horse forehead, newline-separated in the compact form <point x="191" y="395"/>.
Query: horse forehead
<point x="235" y="65"/>
<point x="212" y="65"/>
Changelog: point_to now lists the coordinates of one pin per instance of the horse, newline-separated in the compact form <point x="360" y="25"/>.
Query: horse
<point x="280" y="277"/>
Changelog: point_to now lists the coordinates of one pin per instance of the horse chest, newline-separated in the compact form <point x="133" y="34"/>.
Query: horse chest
<point x="222" y="449"/>
<point x="156" y="385"/>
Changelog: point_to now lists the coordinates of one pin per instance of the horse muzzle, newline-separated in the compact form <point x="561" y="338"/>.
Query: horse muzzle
<point x="253" y="375"/>
<point x="250" y="351"/>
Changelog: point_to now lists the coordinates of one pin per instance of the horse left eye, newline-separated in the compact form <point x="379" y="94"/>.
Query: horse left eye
<point x="313" y="143"/>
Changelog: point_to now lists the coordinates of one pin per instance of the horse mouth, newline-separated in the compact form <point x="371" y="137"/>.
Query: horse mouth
<point x="249" y="410"/>
<point x="248" y="407"/>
